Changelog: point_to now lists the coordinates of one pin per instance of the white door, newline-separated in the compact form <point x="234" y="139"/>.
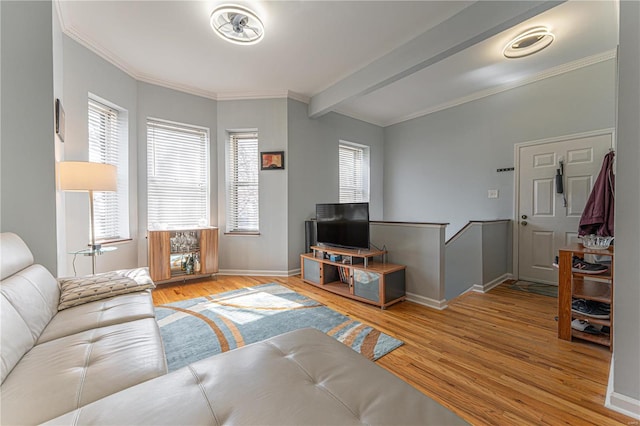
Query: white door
<point x="547" y="221"/>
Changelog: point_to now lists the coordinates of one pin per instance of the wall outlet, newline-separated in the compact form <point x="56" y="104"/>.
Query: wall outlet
<point x="492" y="193"/>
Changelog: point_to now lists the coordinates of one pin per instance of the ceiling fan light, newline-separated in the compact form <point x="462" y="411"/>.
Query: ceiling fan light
<point x="528" y="43"/>
<point x="237" y="24"/>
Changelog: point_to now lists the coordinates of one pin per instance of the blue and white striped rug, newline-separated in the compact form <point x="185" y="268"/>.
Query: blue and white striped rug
<point x="198" y="328"/>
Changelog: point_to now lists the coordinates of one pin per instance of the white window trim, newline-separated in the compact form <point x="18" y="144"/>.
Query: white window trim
<point x="364" y="189"/>
<point x="118" y="157"/>
<point x="232" y="226"/>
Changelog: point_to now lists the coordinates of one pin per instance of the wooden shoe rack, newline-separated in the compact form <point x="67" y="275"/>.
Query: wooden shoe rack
<point x="575" y="285"/>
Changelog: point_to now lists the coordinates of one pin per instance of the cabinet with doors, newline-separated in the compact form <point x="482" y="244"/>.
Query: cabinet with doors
<point x="593" y="288"/>
<point x="355" y="274"/>
<point x="181" y="254"/>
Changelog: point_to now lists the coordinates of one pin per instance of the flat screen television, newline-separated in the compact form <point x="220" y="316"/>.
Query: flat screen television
<point x="343" y="225"/>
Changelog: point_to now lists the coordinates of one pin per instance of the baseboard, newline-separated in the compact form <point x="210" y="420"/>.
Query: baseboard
<point x="483" y="288"/>
<point x="259" y="273"/>
<point x="426" y="301"/>
<point x="618" y="402"/>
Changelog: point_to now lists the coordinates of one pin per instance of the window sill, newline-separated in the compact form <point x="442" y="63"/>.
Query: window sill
<point x="109" y="242"/>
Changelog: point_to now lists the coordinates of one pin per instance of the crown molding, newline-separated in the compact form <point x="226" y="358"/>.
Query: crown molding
<point x="95" y="47"/>
<point x="258" y="94"/>
<point x="552" y="72"/>
<point x="145" y="78"/>
<point x="299" y="97"/>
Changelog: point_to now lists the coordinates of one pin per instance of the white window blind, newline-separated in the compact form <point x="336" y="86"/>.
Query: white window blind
<point x="111" y="209"/>
<point x="354" y="172"/>
<point x="242" y="183"/>
<point x="177" y="175"/>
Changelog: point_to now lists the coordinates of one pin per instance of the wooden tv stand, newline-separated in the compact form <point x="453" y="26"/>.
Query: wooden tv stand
<point x="355" y="274"/>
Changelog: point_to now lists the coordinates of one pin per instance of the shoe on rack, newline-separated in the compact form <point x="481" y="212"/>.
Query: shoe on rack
<point x="579" y="265"/>
<point x="584" y="326"/>
<point x="589" y="309"/>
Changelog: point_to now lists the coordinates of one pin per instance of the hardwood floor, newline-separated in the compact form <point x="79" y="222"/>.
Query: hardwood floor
<point x="492" y="358"/>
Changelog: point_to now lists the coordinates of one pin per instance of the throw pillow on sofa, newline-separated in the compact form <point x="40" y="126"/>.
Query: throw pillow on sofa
<point x="79" y="290"/>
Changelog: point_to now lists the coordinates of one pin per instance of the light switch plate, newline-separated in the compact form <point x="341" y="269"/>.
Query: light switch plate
<point x="492" y="193"/>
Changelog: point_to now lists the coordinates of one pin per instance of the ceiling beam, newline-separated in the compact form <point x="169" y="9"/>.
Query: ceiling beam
<point x="474" y="24"/>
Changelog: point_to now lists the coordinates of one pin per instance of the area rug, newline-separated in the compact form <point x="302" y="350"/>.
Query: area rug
<point x="198" y="328"/>
<point x="537" y="288"/>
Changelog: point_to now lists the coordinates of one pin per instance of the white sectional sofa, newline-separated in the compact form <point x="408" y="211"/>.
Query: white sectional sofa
<point x="54" y="362"/>
<point x="102" y="362"/>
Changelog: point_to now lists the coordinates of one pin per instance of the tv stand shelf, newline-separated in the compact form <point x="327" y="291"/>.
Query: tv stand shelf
<point x="355" y="274"/>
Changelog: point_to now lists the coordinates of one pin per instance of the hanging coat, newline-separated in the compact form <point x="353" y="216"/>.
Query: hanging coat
<point x="597" y="217"/>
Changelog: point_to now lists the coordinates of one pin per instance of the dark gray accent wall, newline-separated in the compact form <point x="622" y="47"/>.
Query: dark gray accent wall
<point x="28" y="203"/>
<point x="440" y="166"/>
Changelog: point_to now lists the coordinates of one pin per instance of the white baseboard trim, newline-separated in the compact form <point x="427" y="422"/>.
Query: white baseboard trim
<point x="624" y="405"/>
<point x="258" y="273"/>
<point x="483" y="288"/>
<point x="618" y="402"/>
<point x="426" y="301"/>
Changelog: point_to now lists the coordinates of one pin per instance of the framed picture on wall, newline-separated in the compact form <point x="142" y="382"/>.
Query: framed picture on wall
<point x="273" y="160"/>
<point x="59" y="120"/>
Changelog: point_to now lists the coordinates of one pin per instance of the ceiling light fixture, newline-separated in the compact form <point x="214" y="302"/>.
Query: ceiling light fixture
<point x="528" y="43"/>
<point x="237" y="24"/>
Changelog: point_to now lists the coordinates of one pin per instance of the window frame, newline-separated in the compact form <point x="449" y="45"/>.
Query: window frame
<point x="360" y="193"/>
<point x="251" y="139"/>
<point x="110" y="147"/>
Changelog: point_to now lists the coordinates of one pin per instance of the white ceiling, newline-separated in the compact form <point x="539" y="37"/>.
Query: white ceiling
<point x="333" y="53"/>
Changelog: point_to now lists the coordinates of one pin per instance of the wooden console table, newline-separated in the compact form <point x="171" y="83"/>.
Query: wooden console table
<point x="356" y="275"/>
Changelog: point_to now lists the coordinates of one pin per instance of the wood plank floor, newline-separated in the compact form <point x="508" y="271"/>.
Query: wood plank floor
<point x="492" y="358"/>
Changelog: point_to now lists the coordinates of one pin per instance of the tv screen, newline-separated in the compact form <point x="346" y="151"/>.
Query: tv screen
<point x="343" y="225"/>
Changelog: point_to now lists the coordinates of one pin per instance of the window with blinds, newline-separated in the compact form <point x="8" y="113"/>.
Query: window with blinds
<point x="242" y="183"/>
<point x="354" y="172"/>
<point x="177" y="175"/>
<point x="111" y="209"/>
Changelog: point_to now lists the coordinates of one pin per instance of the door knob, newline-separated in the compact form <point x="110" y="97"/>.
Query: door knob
<point x="524" y="216"/>
<point x="524" y="223"/>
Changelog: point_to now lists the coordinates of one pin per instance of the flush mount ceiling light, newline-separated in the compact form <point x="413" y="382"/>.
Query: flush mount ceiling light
<point x="237" y="24"/>
<point x="528" y="43"/>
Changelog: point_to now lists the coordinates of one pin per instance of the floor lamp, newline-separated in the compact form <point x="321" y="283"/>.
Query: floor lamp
<point x="83" y="176"/>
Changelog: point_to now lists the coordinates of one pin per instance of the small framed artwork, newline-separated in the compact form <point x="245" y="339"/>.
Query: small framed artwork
<point x="273" y="160"/>
<point x="59" y="120"/>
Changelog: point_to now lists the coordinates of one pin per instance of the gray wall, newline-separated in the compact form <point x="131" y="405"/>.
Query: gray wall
<point x="167" y="104"/>
<point x="420" y="247"/>
<point x="440" y="164"/>
<point x="626" y="340"/>
<point x="463" y="261"/>
<point x="497" y="245"/>
<point x="479" y="257"/>
<point x="84" y="73"/>
<point x="313" y="167"/>
<point x="27" y="115"/>
<point x="266" y="253"/>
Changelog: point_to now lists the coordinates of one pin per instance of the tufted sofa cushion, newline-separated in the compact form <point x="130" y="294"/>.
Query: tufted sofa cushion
<point x="300" y="378"/>
<point x="102" y="313"/>
<point x="63" y="374"/>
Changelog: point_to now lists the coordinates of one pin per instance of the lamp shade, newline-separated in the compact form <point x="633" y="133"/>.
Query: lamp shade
<point x="86" y="176"/>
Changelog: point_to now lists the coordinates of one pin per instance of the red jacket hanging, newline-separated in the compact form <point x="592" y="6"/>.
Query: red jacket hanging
<point x="597" y="217"/>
